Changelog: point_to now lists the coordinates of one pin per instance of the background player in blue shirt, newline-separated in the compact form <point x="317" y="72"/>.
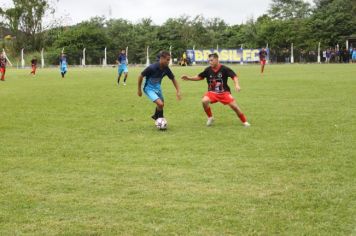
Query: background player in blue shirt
<point x="63" y="64"/>
<point x="353" y="55"/>
<point x="122" y="62"/>
<point x="153" y="75"/>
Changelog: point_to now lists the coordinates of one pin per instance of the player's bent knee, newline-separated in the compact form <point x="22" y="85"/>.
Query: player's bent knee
<point x="205" y="100"/>
<point x="160" y="103"/>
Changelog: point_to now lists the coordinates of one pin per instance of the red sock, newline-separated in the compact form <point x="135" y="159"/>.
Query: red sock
<point x="208" y="112"/>
<point x="242" y="118"/>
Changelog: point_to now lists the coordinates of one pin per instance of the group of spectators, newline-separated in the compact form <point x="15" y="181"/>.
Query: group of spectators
<point x="283" y="55"/>
<point x="334" y="55"/>
<point x="330" y="55"/>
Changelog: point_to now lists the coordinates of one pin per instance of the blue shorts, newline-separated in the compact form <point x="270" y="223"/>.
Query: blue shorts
<point x="353" y="57"/>
<point x="123" y="68"/>
<point x="153" y="94"/>
<point x="63" y="69"/>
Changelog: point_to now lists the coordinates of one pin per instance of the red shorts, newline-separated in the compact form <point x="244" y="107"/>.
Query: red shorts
<point x="225" y="97"/>
<point x="263" y="62"/>
<point x="2" y="73"/>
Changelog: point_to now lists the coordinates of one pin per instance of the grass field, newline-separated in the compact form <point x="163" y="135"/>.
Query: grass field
<point x="81" y="156"/>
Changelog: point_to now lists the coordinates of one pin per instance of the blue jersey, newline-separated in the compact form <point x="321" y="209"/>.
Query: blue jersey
<point x="122" y="59"/>
<point x="154" y="75"/>
<point x="63" y="62"/>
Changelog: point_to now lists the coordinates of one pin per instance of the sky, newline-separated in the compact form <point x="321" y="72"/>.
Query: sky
<point x="231" y="11"/>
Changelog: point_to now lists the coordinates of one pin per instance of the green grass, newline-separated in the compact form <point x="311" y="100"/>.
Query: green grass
<point x="81" y="156"/>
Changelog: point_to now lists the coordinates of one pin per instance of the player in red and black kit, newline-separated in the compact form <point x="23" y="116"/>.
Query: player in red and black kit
<point x="3" y="62"/>
<point x="34" y="65"/>
<point x="218" y="89"/>
<point x="263" y="55"/>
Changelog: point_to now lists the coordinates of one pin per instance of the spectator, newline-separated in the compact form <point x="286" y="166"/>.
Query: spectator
<point x="354" y="55"/>
<point x="328" y="56"/>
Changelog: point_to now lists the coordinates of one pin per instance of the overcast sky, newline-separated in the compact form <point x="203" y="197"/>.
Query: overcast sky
<point x="231" y="11"/>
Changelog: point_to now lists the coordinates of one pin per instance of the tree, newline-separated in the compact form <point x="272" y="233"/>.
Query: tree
<point x="200" y="36"/>
<point x="176" y="32"/>
<point x="25" y="20"/>
<point x="250" y="34"/>
<point x="88" y="34"/>
<point x="216" y="28"/>
<point x="144" y="34"/>
<point x="11" y="20"/>
<point x="121" y="33"/>
<point x="333" y="20"/>
<point x="289" y="9"/>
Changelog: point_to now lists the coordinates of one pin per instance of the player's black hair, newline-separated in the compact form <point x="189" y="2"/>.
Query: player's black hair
<point x="164" y="54"/>
<point x="215" y="55"/>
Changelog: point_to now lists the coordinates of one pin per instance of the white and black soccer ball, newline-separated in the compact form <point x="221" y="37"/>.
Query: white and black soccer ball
<point x="161" y="123"/>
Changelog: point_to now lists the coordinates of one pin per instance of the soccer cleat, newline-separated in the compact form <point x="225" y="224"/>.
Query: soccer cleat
<point x="246" y="124"/>
<point x="210" y="121"/>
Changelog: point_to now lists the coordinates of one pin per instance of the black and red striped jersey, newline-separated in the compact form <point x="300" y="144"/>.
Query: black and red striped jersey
<point x="217" y="78"/>
<point x="3" y="62"/>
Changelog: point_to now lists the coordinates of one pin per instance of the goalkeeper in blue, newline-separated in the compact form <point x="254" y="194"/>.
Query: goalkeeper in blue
<point x="63" y="64"/>
<point x="122" y="63"/>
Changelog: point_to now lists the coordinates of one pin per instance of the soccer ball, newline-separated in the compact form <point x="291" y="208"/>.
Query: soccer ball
<point x="161" y="123"/>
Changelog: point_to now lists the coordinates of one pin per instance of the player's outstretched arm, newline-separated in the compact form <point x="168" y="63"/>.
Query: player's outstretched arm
<point x="195" y="78"/>
<point x="176" y="85"/>
<point x="139" y="85"/>
<point x="236" y="82"/>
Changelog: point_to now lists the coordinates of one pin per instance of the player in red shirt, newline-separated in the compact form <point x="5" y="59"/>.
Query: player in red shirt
<point x="218" y="90"/>
<point x="34" y="65"/>
<point x="3" y="62"/>
<point x="263" y="55"/>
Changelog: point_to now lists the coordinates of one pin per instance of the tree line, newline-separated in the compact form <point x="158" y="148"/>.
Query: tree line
<point x="285" y="22"/>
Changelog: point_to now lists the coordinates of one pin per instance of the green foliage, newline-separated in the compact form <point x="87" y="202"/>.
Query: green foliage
<point x="144" y="34"/>
<point x="176" y="32"/>
<point x="289" y="9"/>
<point x="120" y="34"/>
<point x="52" y="35"/>
<point x="25" y="21"/>
<point x="287" y="21"/>
<point x="90" y="35"/>
<point x="332" y="21"/>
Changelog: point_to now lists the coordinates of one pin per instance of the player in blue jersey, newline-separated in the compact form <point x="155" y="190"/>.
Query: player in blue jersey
<point x="63" y="64"/>
<point x="122" y="63"/>
<point x="153" y="75"/>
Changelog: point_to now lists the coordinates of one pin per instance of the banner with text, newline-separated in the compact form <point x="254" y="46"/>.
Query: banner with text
<point x="226" y="55"/>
